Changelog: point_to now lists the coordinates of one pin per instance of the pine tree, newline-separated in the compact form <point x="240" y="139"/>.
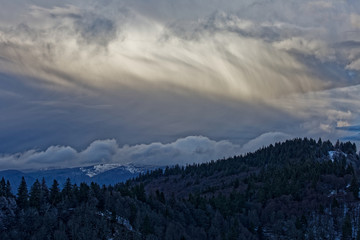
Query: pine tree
<point x="146" y="226"/>
<point x="8" y="192"/>
<point x="2" y="187"/>
<point x="22" y="195"/>
<point x="347" y="228"/>
<point x="354" y="186"/>
<point x="44" y="192"/>
<point x="75" y="192"/>
<point x="67" y="190"/>
<point x="35" y="195"/>
<point x="54" y="193"/>
<point x="337" y="145"/>
<point x="83" y="192"/>
<point x="140" y="192"/>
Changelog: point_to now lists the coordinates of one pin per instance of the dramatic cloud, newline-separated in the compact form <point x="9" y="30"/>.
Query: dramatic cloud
<point x="231" y="55"/>
<point x="143" y="71"/>
<point x="220" y="63"/>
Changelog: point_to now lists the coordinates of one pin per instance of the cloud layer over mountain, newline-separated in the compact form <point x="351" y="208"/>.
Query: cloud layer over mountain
<point x="189" y="150"/>
<point x="183" y="151"/>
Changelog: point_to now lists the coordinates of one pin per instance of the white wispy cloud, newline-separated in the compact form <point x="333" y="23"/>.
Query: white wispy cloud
<point x="239" y="55"/>
<point x="138" y="49"/>
<point x="316" y="48"/>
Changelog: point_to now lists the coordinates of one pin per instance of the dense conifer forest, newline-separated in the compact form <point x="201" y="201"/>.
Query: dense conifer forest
<point x="299" y="189"/>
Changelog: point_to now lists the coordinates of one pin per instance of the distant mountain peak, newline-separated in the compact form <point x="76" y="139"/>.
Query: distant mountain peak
<point x="97" y="169"/>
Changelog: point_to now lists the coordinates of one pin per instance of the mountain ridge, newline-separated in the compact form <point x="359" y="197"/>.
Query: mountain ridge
<point x="107" y="174"/>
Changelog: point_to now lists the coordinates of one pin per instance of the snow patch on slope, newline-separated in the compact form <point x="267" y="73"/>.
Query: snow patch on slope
<point x="97" y="169"/>
<point x="132" y="169"/>
<point x="101" y="168"/>
<point x="336" y="154"/>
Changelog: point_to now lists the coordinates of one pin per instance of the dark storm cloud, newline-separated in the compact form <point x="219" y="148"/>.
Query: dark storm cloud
<point x="350" y="128"/>
<point x="352" y="138"/>
<point x="40" y="118"/>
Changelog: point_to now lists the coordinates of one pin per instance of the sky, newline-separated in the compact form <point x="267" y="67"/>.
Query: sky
<point x="162" y="82"/>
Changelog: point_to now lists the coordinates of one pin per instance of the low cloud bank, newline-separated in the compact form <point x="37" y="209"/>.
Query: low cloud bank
<point x="188" y="150"/>
<point x="264" y="140"/>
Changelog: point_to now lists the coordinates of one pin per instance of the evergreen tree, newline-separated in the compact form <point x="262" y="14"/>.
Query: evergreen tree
<point x="347" y="228"/>
<point x="35" y="195"/>
<point x="83" y="192"/>
<point x="260" y="233"/>
<point x="337" y="145"/>
<point x="354" y="186"/>
<point x="67" y="190"/>
<point x="139" y="191"/>
<point x="147" y="227"/>
<point x="75" y="192"/>
<point x="22" y="195"/>
<point x="54" y="193"/>
<point x="2" y="187"/>
<point x="8" y="192"/>
<point x="44" y="192"/>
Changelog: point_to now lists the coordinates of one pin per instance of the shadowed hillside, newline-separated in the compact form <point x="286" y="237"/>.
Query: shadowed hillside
<point x="299" y="189"/>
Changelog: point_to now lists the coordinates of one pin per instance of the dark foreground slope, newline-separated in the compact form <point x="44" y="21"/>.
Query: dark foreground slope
<point x="300" y="189"/>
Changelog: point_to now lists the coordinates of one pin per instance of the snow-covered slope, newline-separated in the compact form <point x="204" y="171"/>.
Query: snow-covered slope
<point x="101" y="168"/>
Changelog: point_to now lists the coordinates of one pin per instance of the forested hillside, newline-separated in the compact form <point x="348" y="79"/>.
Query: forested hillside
<point x="299" y="189"/>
